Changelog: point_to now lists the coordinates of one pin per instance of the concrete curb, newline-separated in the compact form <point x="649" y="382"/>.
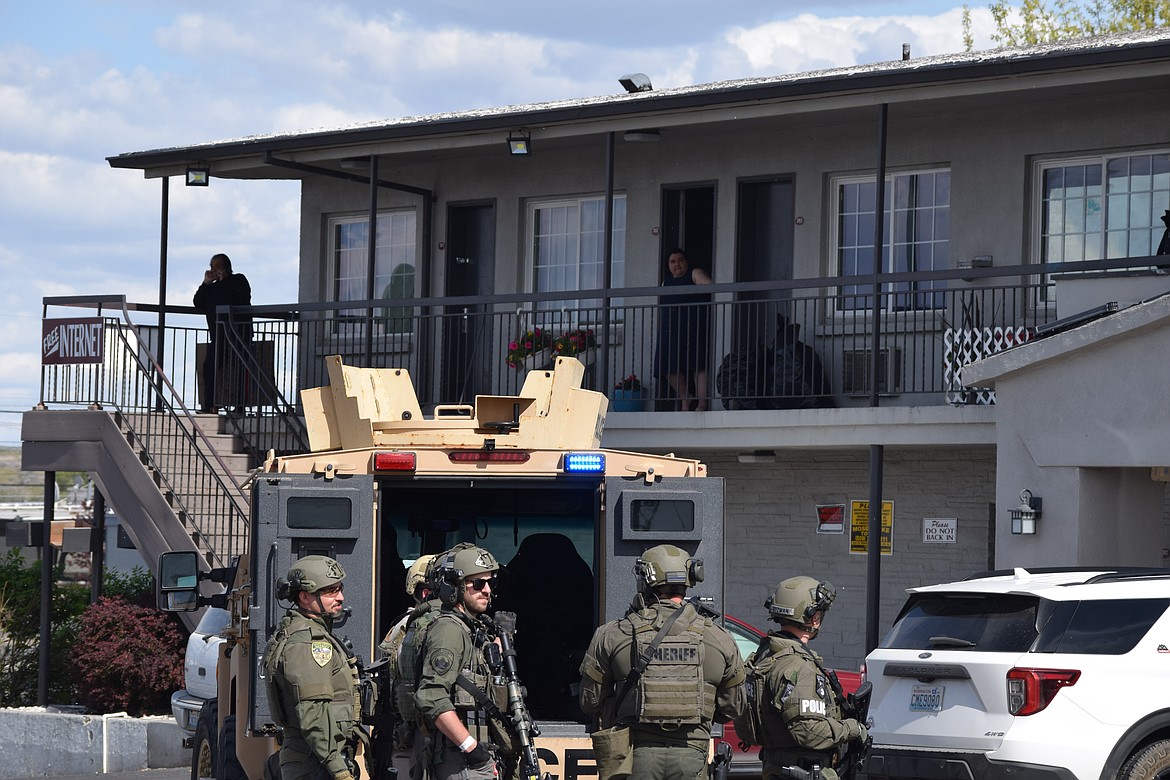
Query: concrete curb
<point x="39" y="742"/>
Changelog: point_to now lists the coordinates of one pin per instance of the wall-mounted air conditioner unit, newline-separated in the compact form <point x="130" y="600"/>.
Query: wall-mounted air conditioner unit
<point x="855" y="371"/>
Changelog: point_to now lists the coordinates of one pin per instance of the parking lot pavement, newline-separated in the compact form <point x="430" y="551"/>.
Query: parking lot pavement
<point x="141" y="774"/>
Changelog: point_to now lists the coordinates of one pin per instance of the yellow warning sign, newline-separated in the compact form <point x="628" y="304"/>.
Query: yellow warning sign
<point x="859" y="527"/>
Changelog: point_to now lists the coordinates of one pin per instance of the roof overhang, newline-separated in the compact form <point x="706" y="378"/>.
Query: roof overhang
<point x="963" y="77"/>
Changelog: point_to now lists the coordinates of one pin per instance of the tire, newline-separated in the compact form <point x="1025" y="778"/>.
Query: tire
<point x="228" y="767"/>
<point x="205" y="747"/>
<point x="1150" y="763"/>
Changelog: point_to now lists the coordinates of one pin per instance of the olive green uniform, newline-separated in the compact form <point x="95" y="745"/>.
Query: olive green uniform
<point x="454" y="644"/>
<point x="694" y="678"/>
<point x="314" y="695"/>
<point x="797" y="688"/>
<point x="401" y="646"/>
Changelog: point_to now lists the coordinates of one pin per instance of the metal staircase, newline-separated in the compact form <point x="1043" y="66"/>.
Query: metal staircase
<point x="176" y="479"/>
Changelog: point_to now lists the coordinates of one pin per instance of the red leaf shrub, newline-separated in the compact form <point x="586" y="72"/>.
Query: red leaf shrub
<point x="127" y="658"/>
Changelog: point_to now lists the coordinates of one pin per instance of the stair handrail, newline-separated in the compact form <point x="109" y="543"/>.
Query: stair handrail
<point x="161" y="375"/>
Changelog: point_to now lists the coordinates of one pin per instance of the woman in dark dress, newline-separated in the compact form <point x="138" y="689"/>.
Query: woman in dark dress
<point x="682" y="334"/>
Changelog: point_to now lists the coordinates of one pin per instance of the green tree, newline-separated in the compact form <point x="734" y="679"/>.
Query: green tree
<point x="20" y="627"/>
<point x="1046" y="21"/>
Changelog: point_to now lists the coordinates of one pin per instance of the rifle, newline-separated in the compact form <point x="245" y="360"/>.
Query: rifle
<point x="852" y="758"/>
<point x="721" y="766"/>
<point x="526" y="729"/>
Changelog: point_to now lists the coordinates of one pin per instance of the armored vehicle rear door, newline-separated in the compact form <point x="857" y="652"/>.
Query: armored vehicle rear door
<point x="684" y="511"/>
<point x="295" y="515"/>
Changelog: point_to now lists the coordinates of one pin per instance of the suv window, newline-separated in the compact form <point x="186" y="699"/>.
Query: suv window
<point x="1105" y="627"/>
<point x="990" y="623"/>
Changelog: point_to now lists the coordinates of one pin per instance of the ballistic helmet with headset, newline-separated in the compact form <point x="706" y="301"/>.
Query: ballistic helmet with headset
<point x="461" y="561"/>
<point x="667" y="565"/>
<point x="797" y="599"/>
<point x="418" y="573"/>
<point x="310" y="574"/>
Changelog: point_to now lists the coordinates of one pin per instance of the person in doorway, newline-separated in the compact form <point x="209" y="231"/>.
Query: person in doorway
<point x="801" y="704"/>
<point x="228" y="337"/>
<point x="682" y="334"/>
<point x="692" y="674"/>
<point x="312" y="676"/>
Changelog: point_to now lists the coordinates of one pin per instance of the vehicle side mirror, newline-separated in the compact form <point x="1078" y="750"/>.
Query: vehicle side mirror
<point x="178" y="582"/>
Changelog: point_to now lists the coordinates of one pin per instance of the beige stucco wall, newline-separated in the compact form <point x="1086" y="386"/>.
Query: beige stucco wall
<point x="1082" y="420"/>
<point x="989" y="142"/>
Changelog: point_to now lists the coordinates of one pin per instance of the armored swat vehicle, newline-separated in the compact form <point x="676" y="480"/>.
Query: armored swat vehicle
<point x="521" y="476"/>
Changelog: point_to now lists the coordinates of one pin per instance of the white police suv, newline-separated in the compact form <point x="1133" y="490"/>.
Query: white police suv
<point x="1043" y="674"/>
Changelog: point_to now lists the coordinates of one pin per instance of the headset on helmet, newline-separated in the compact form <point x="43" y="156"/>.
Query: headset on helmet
<point x="418" y="573"/>
<point x="668" y="565"/>
<point x="463" y="560"/>
<point x="797" y="599"/>
<point x="310" y="574"/>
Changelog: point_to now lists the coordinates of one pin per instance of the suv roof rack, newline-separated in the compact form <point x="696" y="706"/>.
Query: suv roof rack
<point x="1108" y="573"/>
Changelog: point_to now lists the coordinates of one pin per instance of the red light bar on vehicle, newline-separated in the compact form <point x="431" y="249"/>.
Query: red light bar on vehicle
<point x="394" y="461"/>
<point x="488" y="456"/>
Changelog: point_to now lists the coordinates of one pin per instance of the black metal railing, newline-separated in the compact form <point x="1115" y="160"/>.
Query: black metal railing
<point x="761" y="345"/>
<point x="189" y="470"/>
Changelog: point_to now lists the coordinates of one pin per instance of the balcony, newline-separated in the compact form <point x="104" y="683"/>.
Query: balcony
<point x="785" y="351"/>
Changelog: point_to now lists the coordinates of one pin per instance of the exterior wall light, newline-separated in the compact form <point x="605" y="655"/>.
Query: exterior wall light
<point x="1024" y="516"/>
<point x="198" y="175"/>
<point x="520" y="143"/>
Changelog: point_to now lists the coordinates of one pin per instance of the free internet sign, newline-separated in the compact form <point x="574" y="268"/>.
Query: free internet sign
<point x="72" y="341"/>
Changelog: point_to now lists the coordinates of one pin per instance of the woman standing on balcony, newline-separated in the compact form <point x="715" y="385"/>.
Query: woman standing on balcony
<point x="682" y="335"/>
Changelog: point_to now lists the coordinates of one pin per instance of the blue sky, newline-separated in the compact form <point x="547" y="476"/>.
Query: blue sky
<point x="82" y="80"/>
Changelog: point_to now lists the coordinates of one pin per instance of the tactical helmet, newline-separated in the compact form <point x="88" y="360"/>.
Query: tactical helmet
<point x="417" y="573"/>
<point x="314" y="572"/>
<point x="797" y="599"/>
<point x="668" y="565"/>
<point x="463" y="560"/>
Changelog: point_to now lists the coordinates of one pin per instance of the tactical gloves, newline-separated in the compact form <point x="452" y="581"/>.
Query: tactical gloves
<point x="478" y="757"/>
<point x="856" y="731"/>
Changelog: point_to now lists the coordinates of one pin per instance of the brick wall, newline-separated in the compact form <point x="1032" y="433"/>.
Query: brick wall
<point x="770" y="531"/>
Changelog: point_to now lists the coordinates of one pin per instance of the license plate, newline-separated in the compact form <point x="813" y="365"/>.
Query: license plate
<point x="926" y="698"/>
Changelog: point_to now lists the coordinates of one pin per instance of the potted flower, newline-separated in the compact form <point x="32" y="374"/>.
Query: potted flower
<point x="628" y="395"/>
<point x="530" y="350"/>
<point x="574" y="343"/>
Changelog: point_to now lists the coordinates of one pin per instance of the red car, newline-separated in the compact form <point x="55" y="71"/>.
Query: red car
<point x="747" y="638"/>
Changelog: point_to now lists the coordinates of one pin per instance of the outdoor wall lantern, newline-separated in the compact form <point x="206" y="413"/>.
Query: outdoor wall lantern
<point x="520" y="143"/>
<point x="198" y="175"/>
<point x="1024" y="516"/>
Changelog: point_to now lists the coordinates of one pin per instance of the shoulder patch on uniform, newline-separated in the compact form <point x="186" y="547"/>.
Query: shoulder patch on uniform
<point x="821" y="686"/>
<point x="322" y="652"/>
<point x="441" y="661"/>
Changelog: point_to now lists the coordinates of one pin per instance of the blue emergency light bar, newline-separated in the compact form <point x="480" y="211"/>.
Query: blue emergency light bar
<point x="584" y="463"/>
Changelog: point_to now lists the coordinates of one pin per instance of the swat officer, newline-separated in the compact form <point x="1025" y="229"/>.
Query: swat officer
<point x="455" y="680"/>
<point x="801" y="703"/>
<point x="401" y="647"/>
<point x="691" y="671"/>
<point x="312" y="676"/>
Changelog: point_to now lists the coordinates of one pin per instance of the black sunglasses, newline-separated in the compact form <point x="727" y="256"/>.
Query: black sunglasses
<point x="478" y="585"/>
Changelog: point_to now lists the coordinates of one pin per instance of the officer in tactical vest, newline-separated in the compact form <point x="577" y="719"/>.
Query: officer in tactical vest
<point x="401" y="646"/>
<point x="312" y="677"/>
<point x="801" y="715"/>
<point x="692" y="673"/>
<point x="454" y="677"/>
